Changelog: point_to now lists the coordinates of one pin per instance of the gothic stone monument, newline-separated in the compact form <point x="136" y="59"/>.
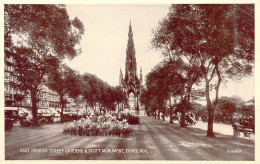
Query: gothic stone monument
<point x="131" y="84"/>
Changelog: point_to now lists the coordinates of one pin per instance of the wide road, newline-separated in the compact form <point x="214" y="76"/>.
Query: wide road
<point x="152" y="140"/>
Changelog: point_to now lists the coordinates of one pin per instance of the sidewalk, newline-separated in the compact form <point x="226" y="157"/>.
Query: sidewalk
<point x="221" y="128"/>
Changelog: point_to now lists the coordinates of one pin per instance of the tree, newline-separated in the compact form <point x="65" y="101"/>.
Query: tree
<point x="74" y="85"/>
<point x="199" y="110"/>
<point x="226" y="107"/>
<point x="145" y="97"/>
<point x="153" y="85"/>
<point x="249" y="107"/>
<point x="118" y="95"/>
<point x="219" y="40"/>
<point x="91" y="89"/>
<point x="38" y="37"/>
<point x="58" y="81"/>
<point x="108" y="98"/>
<point x="173" y="78"/>
<point x="30" y="73"/>
<point x="163" y="82"/>
<point x="97" y="91"/>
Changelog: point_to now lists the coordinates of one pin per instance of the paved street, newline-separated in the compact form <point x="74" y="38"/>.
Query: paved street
<point x="152" y="140"/>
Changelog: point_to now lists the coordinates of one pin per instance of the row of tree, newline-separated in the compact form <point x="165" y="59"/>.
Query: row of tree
<point x="167" y="80"/>
<point x="203" y="45"/>
<point x="38" y="38"/>
<point x="83" y="88"/>
<point x="226" y="108"/>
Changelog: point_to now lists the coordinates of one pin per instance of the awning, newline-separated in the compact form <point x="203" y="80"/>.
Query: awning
<point x="23" y="110"/>
<point x="45" y="112"/>
<point x="11" y="108"/>
<point x="53" y="110"/>
<point x="42" y="111"/>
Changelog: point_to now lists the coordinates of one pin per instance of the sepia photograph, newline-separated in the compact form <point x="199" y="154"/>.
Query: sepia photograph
<point x="171" y="82"/>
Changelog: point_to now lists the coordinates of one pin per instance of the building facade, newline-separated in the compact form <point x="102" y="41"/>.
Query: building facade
<point x="13" y="95"/>
<point x="18" y="102"/>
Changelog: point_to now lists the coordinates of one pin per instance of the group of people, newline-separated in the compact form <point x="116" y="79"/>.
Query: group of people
<point x="248" y="121"/>
<point x="190" y="118"/>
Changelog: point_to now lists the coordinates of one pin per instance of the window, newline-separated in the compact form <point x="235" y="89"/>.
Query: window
<point x="7" y="88"/>
<point x="7" y="75"/>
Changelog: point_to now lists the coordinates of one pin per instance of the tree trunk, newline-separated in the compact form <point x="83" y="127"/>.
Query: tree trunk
<point x="61" y="114"/>
<point x="163" y="116"/>
<point x="34" y="107"/>
<point x="62" y="107"/>
<point x="172" y="111"/>
<point x="210" y="132"/>
<point x="75" y="100"/>
<point x="182" y="121"/>
<point x="147" y="111"/>
<point x="137" y="105"/>
<point x="171" y="118"/>
<point x="159" y="115"/>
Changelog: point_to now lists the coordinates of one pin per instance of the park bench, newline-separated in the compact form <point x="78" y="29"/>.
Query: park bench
<point x="243" y="129"/>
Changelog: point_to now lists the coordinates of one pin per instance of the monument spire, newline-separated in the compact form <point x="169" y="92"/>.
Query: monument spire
<point x="130" y="65"/>
<point x="141" y="76"/>
<point x="120" y="77"/>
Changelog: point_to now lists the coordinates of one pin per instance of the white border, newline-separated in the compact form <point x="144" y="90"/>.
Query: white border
<point x="257" y="80"/>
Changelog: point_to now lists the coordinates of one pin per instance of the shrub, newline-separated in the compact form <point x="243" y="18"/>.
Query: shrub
<point x="25" y="122"/>
<point x="131" y="119"/>
<point x="8" y="124"/>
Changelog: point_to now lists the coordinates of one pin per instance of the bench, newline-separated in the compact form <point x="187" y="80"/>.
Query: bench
<point x="242" y="129"/>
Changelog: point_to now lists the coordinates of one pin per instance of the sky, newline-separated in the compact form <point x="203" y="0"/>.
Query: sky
<point x="105" y="40"/>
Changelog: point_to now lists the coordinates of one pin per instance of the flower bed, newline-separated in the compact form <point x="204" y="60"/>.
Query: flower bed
<point x="102" y="125"/>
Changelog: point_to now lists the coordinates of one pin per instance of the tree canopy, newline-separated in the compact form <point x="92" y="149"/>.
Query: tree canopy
<point x="58" y="81"/>
<point x="38" y="37"/>
<point x="217" y="40"/>
<point x="96" y="91"/>
<point x="43" y="28"/>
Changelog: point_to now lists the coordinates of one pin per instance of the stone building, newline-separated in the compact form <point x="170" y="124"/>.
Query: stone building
<point x="18" y="102"/>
